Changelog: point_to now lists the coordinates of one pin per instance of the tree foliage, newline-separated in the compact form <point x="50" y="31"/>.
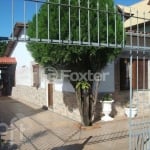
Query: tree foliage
<point x="74" y="57"/>
<point x="55" y="55"/>
<point x="3" y="46"/>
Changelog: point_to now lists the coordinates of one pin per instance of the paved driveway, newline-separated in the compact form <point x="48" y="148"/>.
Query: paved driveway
<point x="32" y="128"/>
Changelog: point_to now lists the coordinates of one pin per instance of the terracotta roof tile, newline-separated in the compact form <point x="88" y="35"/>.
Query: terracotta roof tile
<point x="7" y="60"/>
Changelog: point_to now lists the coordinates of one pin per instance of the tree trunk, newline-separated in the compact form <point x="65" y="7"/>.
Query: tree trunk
<point x="95" y="90"/>
<point x="85" y="104"/>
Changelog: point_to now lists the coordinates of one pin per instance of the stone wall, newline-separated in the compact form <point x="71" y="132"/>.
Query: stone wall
<point x="30" y="94"/>
<point x="142" y="100"/>
<point x="121" y="98"/>
<point x="65" y="104"/>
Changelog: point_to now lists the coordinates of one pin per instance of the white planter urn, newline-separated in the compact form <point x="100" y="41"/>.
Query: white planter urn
<point x="133" y="111"/>
<point x="106" y="110"/>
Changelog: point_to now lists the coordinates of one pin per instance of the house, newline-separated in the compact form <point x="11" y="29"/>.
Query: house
<point x="32" y="82"/>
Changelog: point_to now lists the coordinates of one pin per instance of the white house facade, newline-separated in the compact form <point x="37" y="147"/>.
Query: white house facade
<point x="33" y="85"/>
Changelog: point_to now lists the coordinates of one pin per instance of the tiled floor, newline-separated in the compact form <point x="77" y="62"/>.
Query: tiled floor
<point x="31" y="128"/>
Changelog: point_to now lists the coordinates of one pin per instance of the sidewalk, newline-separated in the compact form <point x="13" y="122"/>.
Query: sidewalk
<point x="31" y="128"/>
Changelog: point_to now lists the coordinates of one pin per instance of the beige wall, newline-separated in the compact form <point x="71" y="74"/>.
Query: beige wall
<point x="30" y="94"/>
<point x="65" y="104"/>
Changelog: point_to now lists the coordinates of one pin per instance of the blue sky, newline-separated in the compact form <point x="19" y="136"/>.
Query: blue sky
<point x="126" y="2"/>
<point x="6" y="17"/>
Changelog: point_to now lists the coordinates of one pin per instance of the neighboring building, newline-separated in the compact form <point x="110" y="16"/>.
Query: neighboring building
<point x="137" y="35"/>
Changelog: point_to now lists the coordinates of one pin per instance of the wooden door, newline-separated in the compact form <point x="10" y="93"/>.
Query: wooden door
<point x="50" y="95"/>
<point x="142" y="74"/>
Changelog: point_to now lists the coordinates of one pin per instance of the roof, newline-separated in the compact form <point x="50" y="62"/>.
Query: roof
<point x="138" y="10"/>
<point x="7" y="60"/>
<point x="11" y="44"/>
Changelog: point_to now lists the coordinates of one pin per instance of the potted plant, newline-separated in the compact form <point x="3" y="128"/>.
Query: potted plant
<point x="107" y="107"/>
<point x="130" y="110"/>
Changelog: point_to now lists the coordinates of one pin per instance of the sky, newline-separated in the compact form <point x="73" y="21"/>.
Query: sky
<point x="6" y="11"/>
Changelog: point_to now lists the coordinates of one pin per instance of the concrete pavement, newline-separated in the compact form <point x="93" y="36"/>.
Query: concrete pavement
<point x="32" y="128"/>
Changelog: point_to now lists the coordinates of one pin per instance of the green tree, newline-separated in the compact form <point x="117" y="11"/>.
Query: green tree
<point x="74" y="57"/>
<point x="3" y="46"/>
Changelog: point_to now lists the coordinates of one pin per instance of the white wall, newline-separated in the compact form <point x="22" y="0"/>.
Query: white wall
<point x="106" y="84"/>
<point x="24" y="67"/>
<point x="63" y="86"/>
<point x="43" y="78"/>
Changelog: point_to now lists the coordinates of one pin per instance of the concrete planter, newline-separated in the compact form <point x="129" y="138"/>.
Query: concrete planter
<point x="133" y="112"/>
<point x="106" y="109"/>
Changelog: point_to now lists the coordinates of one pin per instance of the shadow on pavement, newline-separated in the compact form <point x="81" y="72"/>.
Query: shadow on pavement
<point x="7" y="146"/>
<point x="73" y="146"/>
<point x="12" y="110"/>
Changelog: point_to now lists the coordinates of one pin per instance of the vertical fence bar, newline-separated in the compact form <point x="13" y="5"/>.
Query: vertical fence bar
<point x="98" y="38"/>
<point x="137" y="59"/>
<point x="79" y="13"/>
<point x="130" y="122"/>
<point x="48" y="21"/>
<point x="144" y="40"/>
<point x="36" y="7"/>
<point x="131" y="57"/>
<point x="24" y="7"/>
<point x="59" y="21"/>
<point x="131" y="34"/>
<point x="107" y="24"/>
<point x="115" y="17"/>
<point x="69" y="22"/>
<point x="123" y="30"/>
<point x="137" y="28"/>
<point x="12" y="9"/>
<point x="144" y="70"/>
<point x="144" y="32"/>
<point x="89" y="34"/>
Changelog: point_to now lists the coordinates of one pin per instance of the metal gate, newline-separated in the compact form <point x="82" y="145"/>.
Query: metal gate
<point x="135" y="45"/>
